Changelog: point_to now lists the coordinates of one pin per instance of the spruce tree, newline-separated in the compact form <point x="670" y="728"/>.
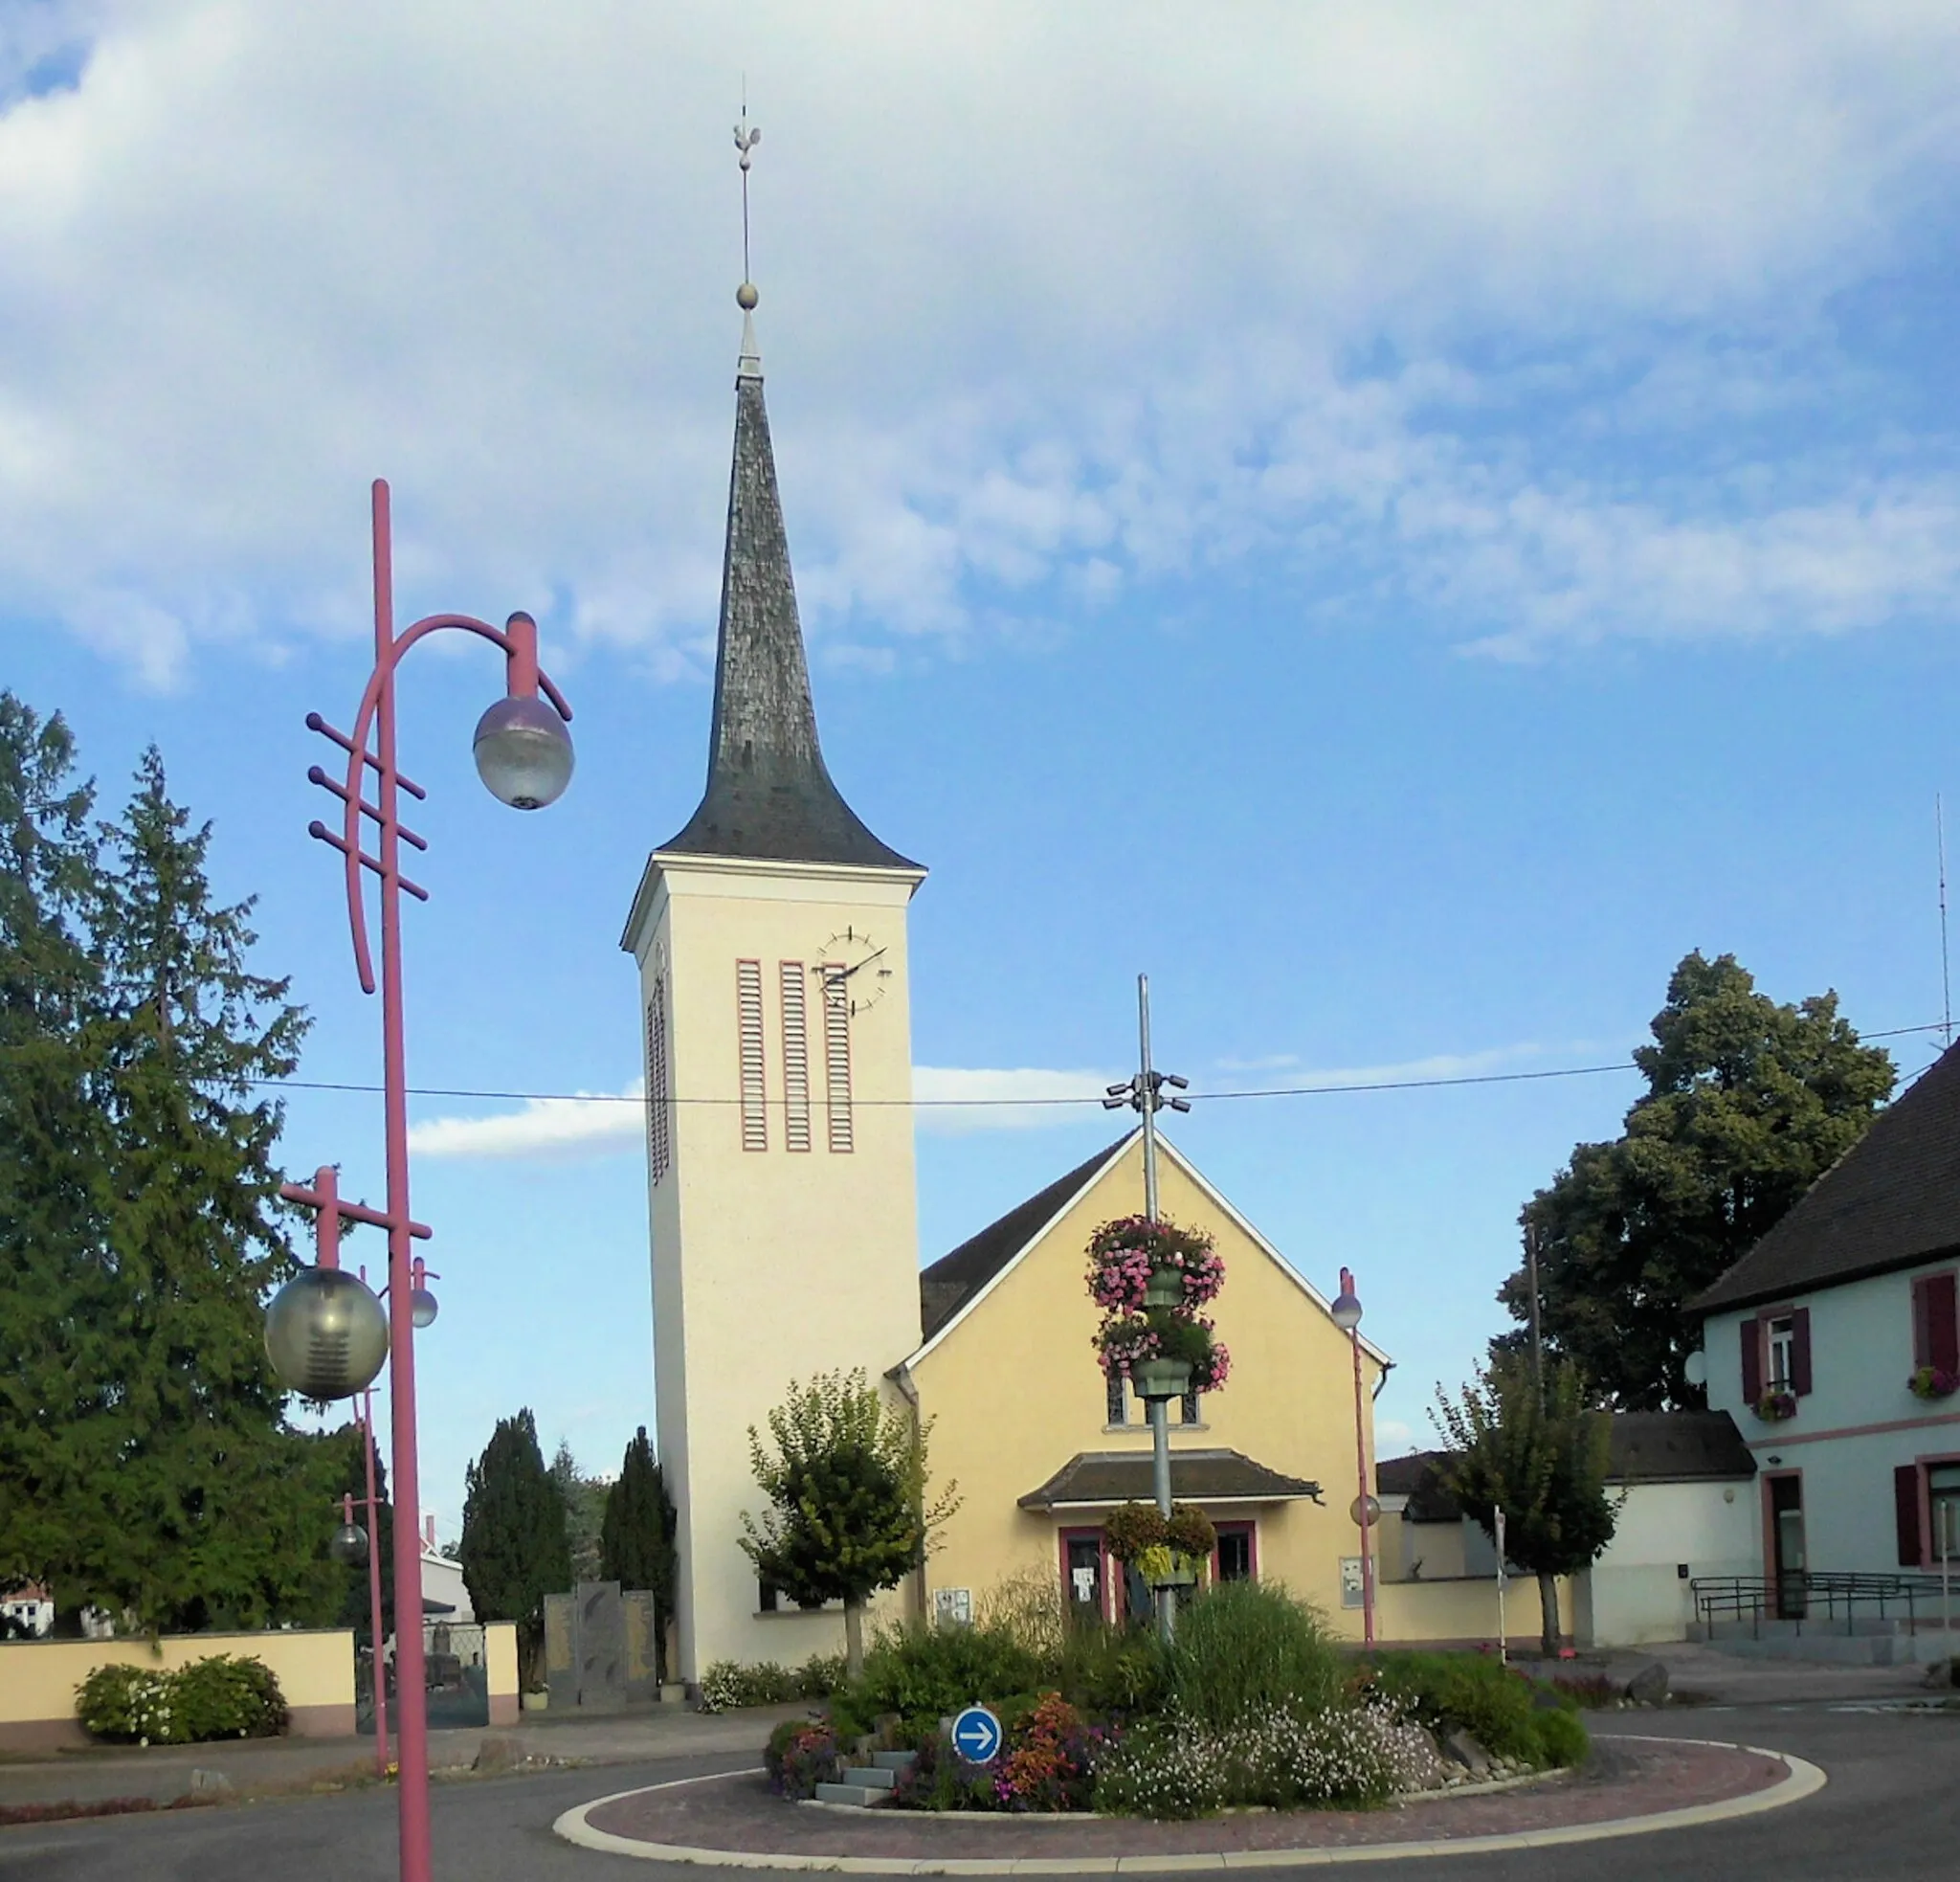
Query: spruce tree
<point x="636" y="1536"/>
<point x="146" y="1468"/>
<point x="585" y="1507"/>
<point x="513" y="1551"/>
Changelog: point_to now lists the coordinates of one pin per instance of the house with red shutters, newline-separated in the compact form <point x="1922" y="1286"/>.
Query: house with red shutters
<point x="1834" y="1345"/>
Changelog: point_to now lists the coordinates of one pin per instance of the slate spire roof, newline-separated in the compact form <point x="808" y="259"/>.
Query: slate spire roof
<point x="769" y="793"/>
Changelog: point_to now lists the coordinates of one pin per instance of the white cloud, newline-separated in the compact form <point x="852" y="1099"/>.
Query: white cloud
<point x="1283" y="1072"/>
<point x="1034" y="309"/>
<point x="594" y="1124"/>
<point x="955" y="1101"/>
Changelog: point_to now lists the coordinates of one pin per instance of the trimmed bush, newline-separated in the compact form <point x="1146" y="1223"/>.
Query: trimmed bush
<point x="1563" y="1738"/>
<point x="1247" y="1647"/>
<point x="820" y="1676"/>
<point x="222" y="1697"/>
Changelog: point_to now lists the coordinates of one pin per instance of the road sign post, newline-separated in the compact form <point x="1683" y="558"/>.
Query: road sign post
<point x="977" y="1735"/>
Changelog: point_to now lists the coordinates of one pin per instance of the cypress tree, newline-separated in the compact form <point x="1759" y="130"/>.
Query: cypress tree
<point x="636" y="1535"/>
<point x="514" y="1550"/>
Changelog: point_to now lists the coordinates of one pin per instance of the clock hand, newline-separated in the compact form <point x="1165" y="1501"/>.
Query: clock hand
<point x="865" y="962"/>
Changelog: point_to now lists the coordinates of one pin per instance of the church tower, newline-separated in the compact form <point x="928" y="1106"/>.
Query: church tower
<point x="770" y="938"/>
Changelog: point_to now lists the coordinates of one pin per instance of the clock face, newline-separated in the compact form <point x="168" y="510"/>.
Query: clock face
<point x="854" y="967"/>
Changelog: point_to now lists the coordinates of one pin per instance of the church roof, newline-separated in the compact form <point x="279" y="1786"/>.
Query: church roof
<point x="1891" y="1200"/>
<point x="769" y="795"/>
<point x="956" y="1278"/>
<point x="1092" y="1478"/>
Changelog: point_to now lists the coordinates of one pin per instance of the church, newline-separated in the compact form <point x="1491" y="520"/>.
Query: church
<point x="770" y="935"/>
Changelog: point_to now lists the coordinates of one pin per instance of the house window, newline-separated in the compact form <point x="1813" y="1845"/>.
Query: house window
<point x="1187" y="1409"/>
<point x="1943" y="1505"/>
<point x="1116" y="1400"/>
<point x="1782" y="1353"/>
<point x="1234" y="1559"/>
<point x="765" y="1597"/>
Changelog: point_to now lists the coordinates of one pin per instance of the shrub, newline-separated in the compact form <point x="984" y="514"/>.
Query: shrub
<point x="1450" y="1690"/>
<point x="1050" y="1760"/>
<point x="1562" y="1737"/>
<point x="1248" y="1647"/>
<point x="1027" y="1607"/>
<point x="1357" y="1755"/>
<point x="1113" y="1670"/>
<point x="923" y="1671"/>
<point x="229" y="1696"/>
<point x="820" y="1676"/>
<point x="222" y="1697"/>
<point x="943" y="1780"/>
<point x="1164" y="1767"/>
<point x="800" y="1755"/>
<point x="725" y="1685"/>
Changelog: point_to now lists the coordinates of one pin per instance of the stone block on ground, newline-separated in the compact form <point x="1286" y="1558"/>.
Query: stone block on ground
<point x="498" y="1755"/>
<point x="1647" y="1686"/>
<point x="895" y="1761"/>
<point x="1461" y="1748"/>
<point x="871" y="1777"/>
<point x="210" y="1783"/>
<point x="860" y="1795"/>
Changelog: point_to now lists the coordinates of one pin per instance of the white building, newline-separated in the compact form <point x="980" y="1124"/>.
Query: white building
<point x="444" y="1598"/>
<point x="29" y="1609"/>
<point x="1834" y="1343"/>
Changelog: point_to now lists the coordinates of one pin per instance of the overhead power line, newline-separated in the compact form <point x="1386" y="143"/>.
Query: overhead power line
<point x="1022" y="1104"/>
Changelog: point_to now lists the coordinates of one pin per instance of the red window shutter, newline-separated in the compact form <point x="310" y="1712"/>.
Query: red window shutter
<point x="1800" y="1351"/>
<point x="1922" y="1324"/>
<point x="1936" y="1295"/>
<point x="1905" y="1497"/>
<point x="1751" y="1360"/>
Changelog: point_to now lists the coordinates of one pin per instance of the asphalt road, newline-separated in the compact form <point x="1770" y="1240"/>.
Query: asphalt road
<point x="1890" y="1812"/>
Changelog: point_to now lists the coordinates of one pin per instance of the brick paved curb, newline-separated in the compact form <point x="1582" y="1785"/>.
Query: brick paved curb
<point x="1801" y="1780"/>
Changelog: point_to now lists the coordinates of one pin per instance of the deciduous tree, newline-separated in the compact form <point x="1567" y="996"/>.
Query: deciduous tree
<point x="1748" y="1103"/>
<point x="1539" y="1455"/>
<point x="845" y="1477"/>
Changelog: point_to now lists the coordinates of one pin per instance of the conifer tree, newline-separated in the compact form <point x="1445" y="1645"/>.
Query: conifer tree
<point x="636" y="1536"/>
<point x="147" y="1467"/>
<point x="514" y="1550"/>
<point x="585" y="1507"/>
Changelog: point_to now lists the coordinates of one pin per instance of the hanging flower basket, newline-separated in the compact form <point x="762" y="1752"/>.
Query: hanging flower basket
<point x="1163" y="1567"/>
<point x="1141" y="1536"/>
<point x="1124" y="1254"/>
<point x="1128" y="1342"/>
<point x="1933" y="1382"/>
<point x="1161" y="1378"/>
<point x="1773" y="1407"/>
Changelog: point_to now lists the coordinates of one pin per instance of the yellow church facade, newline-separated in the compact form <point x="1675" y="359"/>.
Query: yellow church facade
<point x="1042" y="1448"/>
<point x="769" y="937"/>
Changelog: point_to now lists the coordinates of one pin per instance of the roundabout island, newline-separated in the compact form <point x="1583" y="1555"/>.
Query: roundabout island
<point x="1630" y="1785"/>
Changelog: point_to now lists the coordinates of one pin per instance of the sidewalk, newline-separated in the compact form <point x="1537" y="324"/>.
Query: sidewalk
<point x="164" y="1772"/>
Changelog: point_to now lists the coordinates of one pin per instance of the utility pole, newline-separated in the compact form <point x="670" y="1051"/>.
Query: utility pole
<point x="1144" y="1094"/>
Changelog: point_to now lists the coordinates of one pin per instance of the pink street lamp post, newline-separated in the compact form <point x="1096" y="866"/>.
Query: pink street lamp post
<point x="1347" y="1316"/>
<point x="524" y="755"/>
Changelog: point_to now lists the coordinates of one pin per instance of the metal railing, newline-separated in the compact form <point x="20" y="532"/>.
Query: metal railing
<point x="1830" y="1602"/>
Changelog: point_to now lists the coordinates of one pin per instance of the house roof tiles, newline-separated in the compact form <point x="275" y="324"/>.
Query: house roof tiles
<point x="1092" y="1478"/>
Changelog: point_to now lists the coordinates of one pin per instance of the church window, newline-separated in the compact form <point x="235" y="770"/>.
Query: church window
<point x="796" y="1058"/>
<point x="755" y="1129"/>
<point x="836" y="1054"/>
<point x="1187" y="1411"/>
<point x="659" y="1094"/>
<point x="1116" y="1399"/>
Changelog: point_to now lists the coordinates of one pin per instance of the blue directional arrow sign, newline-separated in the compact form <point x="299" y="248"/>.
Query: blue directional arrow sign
<point x="976" y="1735"/>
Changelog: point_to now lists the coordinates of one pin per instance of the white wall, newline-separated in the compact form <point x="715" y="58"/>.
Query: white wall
<point x="1636" y="1592"/>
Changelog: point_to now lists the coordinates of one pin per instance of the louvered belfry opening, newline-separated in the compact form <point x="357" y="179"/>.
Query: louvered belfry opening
<point x="660" y="1086"/>
<point x="755" y="1128"/>
<point x="796" y="1058"/>
<point x="837" y="1056"/>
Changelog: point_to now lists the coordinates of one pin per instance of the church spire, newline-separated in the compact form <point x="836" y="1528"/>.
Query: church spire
<point x="769" y="793"/>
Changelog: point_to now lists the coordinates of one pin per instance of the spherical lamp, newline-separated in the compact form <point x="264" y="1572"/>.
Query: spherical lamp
<point x="326" y="1335"/>
<point x="524" y="753"/>
<point x="1347" y="1308"/>
<point x="350" y="1545"/>
<point x="423" y="1307"/>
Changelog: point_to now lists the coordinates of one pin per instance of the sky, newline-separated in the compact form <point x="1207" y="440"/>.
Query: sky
<point x="1398" y="522"/>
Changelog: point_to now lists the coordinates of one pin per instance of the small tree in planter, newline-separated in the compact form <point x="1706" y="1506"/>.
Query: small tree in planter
<point x="845" y="1478"/>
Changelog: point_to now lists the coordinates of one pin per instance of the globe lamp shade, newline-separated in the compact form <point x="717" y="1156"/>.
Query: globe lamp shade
<point x="326" y="1335"/>
<point x="524" y="753"/>
<point x="422" y="1307"/>
<point x="1347" y="1310"/>
<point x="1364" y="1513"/>
<point x="350" y="1545"/>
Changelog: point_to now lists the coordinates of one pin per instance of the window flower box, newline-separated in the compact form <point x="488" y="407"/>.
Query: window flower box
<point x="1933" y="1382"/>
<point x="1775" y="1406"/>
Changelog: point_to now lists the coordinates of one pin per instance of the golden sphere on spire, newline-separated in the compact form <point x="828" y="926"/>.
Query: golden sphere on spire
<point x="746" y="297"/>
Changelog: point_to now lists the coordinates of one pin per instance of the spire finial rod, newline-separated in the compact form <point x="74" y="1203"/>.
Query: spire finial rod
<point x="746" y="141"/>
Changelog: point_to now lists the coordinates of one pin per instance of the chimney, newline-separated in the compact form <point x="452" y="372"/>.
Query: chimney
<point x="429" y="1533"/>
